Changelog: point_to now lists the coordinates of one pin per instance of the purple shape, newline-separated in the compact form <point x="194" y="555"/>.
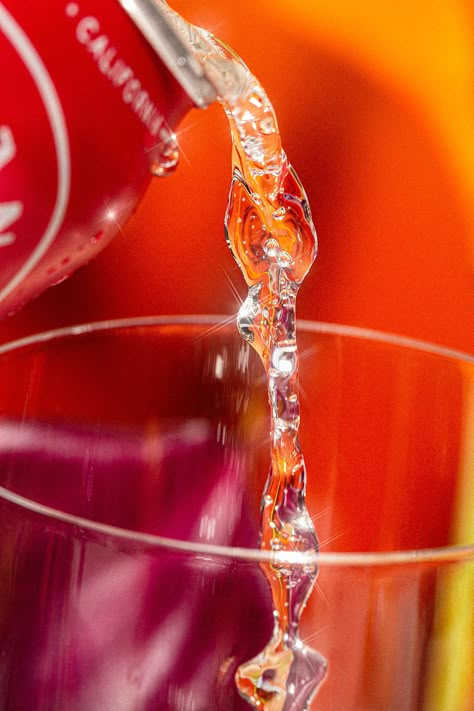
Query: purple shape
<point x="91" y="623"/>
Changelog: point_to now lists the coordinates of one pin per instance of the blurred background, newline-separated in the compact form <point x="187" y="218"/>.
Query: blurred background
<point x="376" y="108"/>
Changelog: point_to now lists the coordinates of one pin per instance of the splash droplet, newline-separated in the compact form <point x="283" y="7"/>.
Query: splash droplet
<point x="165" y="157"/>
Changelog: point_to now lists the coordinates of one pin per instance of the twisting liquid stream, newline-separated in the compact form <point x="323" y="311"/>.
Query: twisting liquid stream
<point x="270" y="232"/>
<point x="272" y="237"/>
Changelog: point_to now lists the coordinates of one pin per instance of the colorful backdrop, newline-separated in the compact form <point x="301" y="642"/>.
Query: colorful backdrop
<point x="376" y="108"/>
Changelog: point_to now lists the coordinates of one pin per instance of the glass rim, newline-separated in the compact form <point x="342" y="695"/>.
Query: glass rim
<point x="454" y="553"/>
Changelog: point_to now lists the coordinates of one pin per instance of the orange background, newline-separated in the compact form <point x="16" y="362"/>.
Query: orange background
<point x="376" y="108"/>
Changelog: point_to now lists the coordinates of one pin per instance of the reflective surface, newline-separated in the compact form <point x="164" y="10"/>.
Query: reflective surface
<point x="162" y="430"/>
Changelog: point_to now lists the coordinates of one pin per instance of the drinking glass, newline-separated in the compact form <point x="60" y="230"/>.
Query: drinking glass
<point x="133" y="455"/>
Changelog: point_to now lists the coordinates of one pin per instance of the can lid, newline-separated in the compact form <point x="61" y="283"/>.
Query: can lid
<point x="173" y="39"/>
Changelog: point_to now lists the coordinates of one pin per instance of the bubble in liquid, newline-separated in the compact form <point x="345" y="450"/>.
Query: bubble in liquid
<point x="284" y="360"/>
<point x="267" y="126"/>
<point x="284" y="259"/>
<point x="271" y="247"/>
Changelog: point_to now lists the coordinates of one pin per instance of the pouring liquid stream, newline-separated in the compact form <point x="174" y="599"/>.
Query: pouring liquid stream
<point x="270" y="232"/>
<point x="271" y="235"/>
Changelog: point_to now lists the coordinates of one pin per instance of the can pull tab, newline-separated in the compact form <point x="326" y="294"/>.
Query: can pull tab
<point x="174" y="41"/>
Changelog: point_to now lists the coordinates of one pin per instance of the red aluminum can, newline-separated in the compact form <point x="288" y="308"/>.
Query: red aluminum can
<point x="86" y="106"/>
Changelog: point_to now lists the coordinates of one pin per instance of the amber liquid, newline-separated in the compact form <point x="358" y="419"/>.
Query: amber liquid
<point x="272" y="237"/>
<point x="270" y="232"/>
